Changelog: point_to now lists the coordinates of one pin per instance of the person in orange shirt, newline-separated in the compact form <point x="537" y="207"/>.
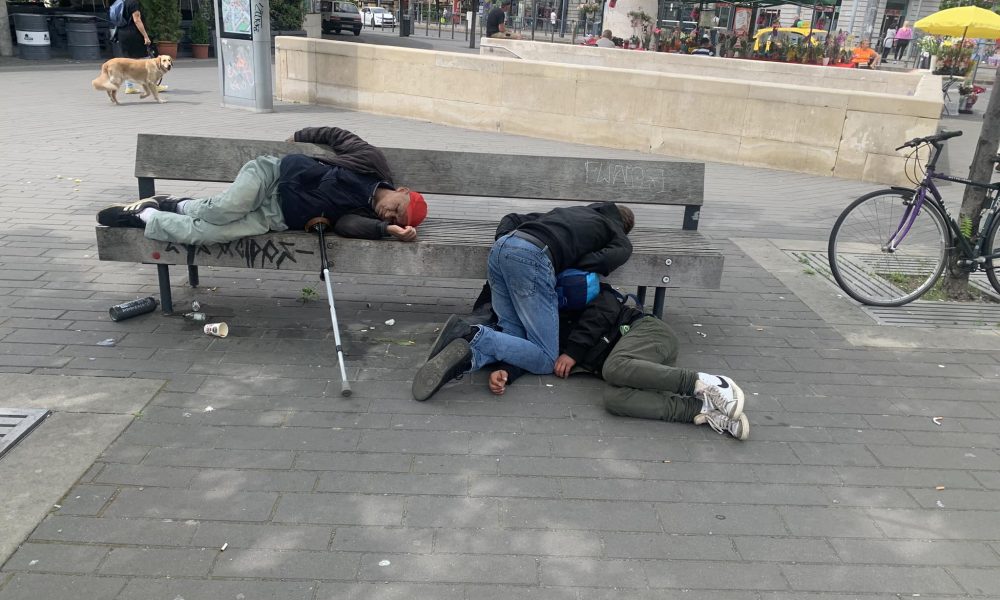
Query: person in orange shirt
<point x="864" y="55"/>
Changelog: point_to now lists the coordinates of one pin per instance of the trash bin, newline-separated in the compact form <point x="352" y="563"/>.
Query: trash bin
<point x="32" y="32"/>
<point x="405" y="25"/>
<point x="81" y="37"/>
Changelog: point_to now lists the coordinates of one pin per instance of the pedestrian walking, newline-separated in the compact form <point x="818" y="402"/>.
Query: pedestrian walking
<point x="902" y="39"/>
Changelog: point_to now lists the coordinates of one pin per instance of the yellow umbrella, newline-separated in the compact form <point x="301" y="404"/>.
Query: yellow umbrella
<point x="965" y="21"/>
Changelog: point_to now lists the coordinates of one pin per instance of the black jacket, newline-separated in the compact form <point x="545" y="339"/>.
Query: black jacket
<point x="590" y="238"/>
<point x="589" y="335"/>
<point x="365" y="162"/>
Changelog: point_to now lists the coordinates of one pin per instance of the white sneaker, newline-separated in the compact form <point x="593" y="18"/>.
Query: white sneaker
<point x="722" y="394"/>
<point x="739" y="428"/>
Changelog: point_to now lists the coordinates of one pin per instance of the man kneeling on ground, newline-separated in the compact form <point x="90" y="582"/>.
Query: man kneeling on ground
<point x="354" y="190"/>
<point x="528" y="252"/>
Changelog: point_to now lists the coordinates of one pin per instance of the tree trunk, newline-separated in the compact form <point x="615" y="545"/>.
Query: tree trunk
<point x="956" y="283"/>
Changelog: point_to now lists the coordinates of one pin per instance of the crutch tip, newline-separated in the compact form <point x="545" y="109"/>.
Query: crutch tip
<point x="345" y="391"/>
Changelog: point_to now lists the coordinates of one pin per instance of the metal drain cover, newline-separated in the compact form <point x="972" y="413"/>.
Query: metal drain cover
<point x="920" y="312"/>
<point x="15" y="423"/>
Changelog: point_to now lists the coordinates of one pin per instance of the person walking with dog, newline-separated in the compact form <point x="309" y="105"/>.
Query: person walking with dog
<point x="528" y="252"/>
<point x="636" y="354"/>
<point x="130" y="33"/>
<point x="353" y="190"/>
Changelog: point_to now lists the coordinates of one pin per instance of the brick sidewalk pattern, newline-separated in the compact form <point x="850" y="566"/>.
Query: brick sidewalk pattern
<point x="536" y="495"/>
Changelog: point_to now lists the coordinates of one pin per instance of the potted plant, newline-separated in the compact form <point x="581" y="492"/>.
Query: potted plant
<point x="640" y="23"/>
<point x="928" y="46"/>
<point x="199" y="35"/>
<point x="163" y="24"/>
<point x="587" y="11"/>
<point x="968" y="93"/>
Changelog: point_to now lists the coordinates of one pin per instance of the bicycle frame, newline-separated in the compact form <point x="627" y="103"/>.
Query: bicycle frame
<point x="972" y="254"/>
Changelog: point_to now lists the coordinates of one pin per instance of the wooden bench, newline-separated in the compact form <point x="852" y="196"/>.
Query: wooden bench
<point x="447" y="248"/>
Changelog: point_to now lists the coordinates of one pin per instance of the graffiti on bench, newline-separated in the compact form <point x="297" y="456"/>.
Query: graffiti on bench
<point x="253" y="254"/>
<point x="630" y="177"/>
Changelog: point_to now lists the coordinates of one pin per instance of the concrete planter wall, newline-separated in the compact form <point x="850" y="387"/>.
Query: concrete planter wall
<point x="823" y="131"/>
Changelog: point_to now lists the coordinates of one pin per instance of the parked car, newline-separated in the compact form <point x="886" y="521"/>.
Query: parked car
<point x="340" y="14"/>
<point x="787" y="35"/>
<point x="376" y="16"/>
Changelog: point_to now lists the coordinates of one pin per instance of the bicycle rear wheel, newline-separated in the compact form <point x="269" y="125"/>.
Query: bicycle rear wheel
<point x="992" y="247"/>
<point x="863" y="266"/>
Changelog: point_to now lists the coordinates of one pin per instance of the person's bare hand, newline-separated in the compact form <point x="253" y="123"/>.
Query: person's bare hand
<point x="564" y="364"/>
<point x="403" y="234"/>
<point x="498" y="382"/>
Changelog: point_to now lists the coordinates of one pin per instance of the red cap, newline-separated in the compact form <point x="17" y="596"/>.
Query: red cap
<point x="417" y="210"/>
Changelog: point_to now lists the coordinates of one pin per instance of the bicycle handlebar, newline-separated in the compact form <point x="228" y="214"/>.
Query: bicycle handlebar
<point x="931" y="139"/>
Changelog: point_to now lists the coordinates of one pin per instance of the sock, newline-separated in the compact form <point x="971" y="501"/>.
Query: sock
<point x="180" y="206"/>
<point x="146" y="213"/>
<point x="473" y="330"/>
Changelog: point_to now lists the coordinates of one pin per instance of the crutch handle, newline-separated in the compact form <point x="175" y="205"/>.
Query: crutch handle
<point x="319" y="225"/>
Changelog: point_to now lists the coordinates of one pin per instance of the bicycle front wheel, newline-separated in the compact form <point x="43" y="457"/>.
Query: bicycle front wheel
<point x="860" y="258"/>
<point x="993" y="247"/>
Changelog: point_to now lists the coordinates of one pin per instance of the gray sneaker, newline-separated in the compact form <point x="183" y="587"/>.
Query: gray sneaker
<point x="739" y="428"/>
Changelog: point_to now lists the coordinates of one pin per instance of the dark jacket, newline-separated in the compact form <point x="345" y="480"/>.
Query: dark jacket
<point x="340" y="188"/>
<point x="589" y="335"/>
<point x="590" y="238"/>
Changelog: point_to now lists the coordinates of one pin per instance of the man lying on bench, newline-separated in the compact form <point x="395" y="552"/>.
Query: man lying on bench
<point x="354" y="190"/>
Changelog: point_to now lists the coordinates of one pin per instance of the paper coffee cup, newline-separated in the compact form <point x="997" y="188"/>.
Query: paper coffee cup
<point x="217" y="329"/>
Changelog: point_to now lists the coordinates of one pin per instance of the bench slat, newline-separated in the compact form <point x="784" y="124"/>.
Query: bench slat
<point x="694" y="263"/>
<point x="658" y="182"/>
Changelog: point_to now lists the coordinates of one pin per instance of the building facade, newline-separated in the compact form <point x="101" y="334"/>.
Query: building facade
<point x="863" y="19"/>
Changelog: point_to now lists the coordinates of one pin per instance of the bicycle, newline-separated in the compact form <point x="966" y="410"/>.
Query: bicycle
<point x="891" y="246"/>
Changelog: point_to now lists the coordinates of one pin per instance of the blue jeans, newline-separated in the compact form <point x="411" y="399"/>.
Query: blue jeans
<point x="523" y="281"/>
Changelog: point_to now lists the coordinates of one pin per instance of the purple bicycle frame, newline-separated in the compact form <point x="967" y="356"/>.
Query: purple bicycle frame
<point x="912" y="211"/>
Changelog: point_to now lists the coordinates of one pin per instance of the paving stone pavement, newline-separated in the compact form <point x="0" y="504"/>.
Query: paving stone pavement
<point x="846" y="489"/>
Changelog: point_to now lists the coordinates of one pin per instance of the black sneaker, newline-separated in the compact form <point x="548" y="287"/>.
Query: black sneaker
<point x="455" y="327"/>
<point x="449" y="363"/>
<point x="126" y="215"/>
<point x="169" y="203"/>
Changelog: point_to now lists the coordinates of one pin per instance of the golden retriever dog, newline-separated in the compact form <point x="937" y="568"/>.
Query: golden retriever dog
<point x="146" y="72"/>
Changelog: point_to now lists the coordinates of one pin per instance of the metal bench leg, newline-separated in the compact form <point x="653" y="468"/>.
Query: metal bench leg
<point x="658" y="296"/>
<point x="166" y="300"/>
<point x="640" y="293"/>
<point x="193" y="275"/>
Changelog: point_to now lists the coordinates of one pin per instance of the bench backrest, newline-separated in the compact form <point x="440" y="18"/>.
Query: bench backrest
<point x="658" y="182"/>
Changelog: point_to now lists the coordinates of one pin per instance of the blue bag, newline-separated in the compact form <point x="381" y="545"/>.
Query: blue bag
<point x="575" y="289"/>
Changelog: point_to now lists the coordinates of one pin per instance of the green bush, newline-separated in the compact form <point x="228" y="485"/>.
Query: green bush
<point x="162" y="19"/>
<point x="199" y="28"/>
<point x="287" y="15"/>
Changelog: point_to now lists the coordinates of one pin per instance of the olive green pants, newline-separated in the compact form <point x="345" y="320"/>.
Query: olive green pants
<point x="643" y="381"/>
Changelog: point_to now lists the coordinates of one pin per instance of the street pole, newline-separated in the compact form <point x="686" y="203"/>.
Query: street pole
<point x="472" y="24"/>
<point x="957" y="282"/>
